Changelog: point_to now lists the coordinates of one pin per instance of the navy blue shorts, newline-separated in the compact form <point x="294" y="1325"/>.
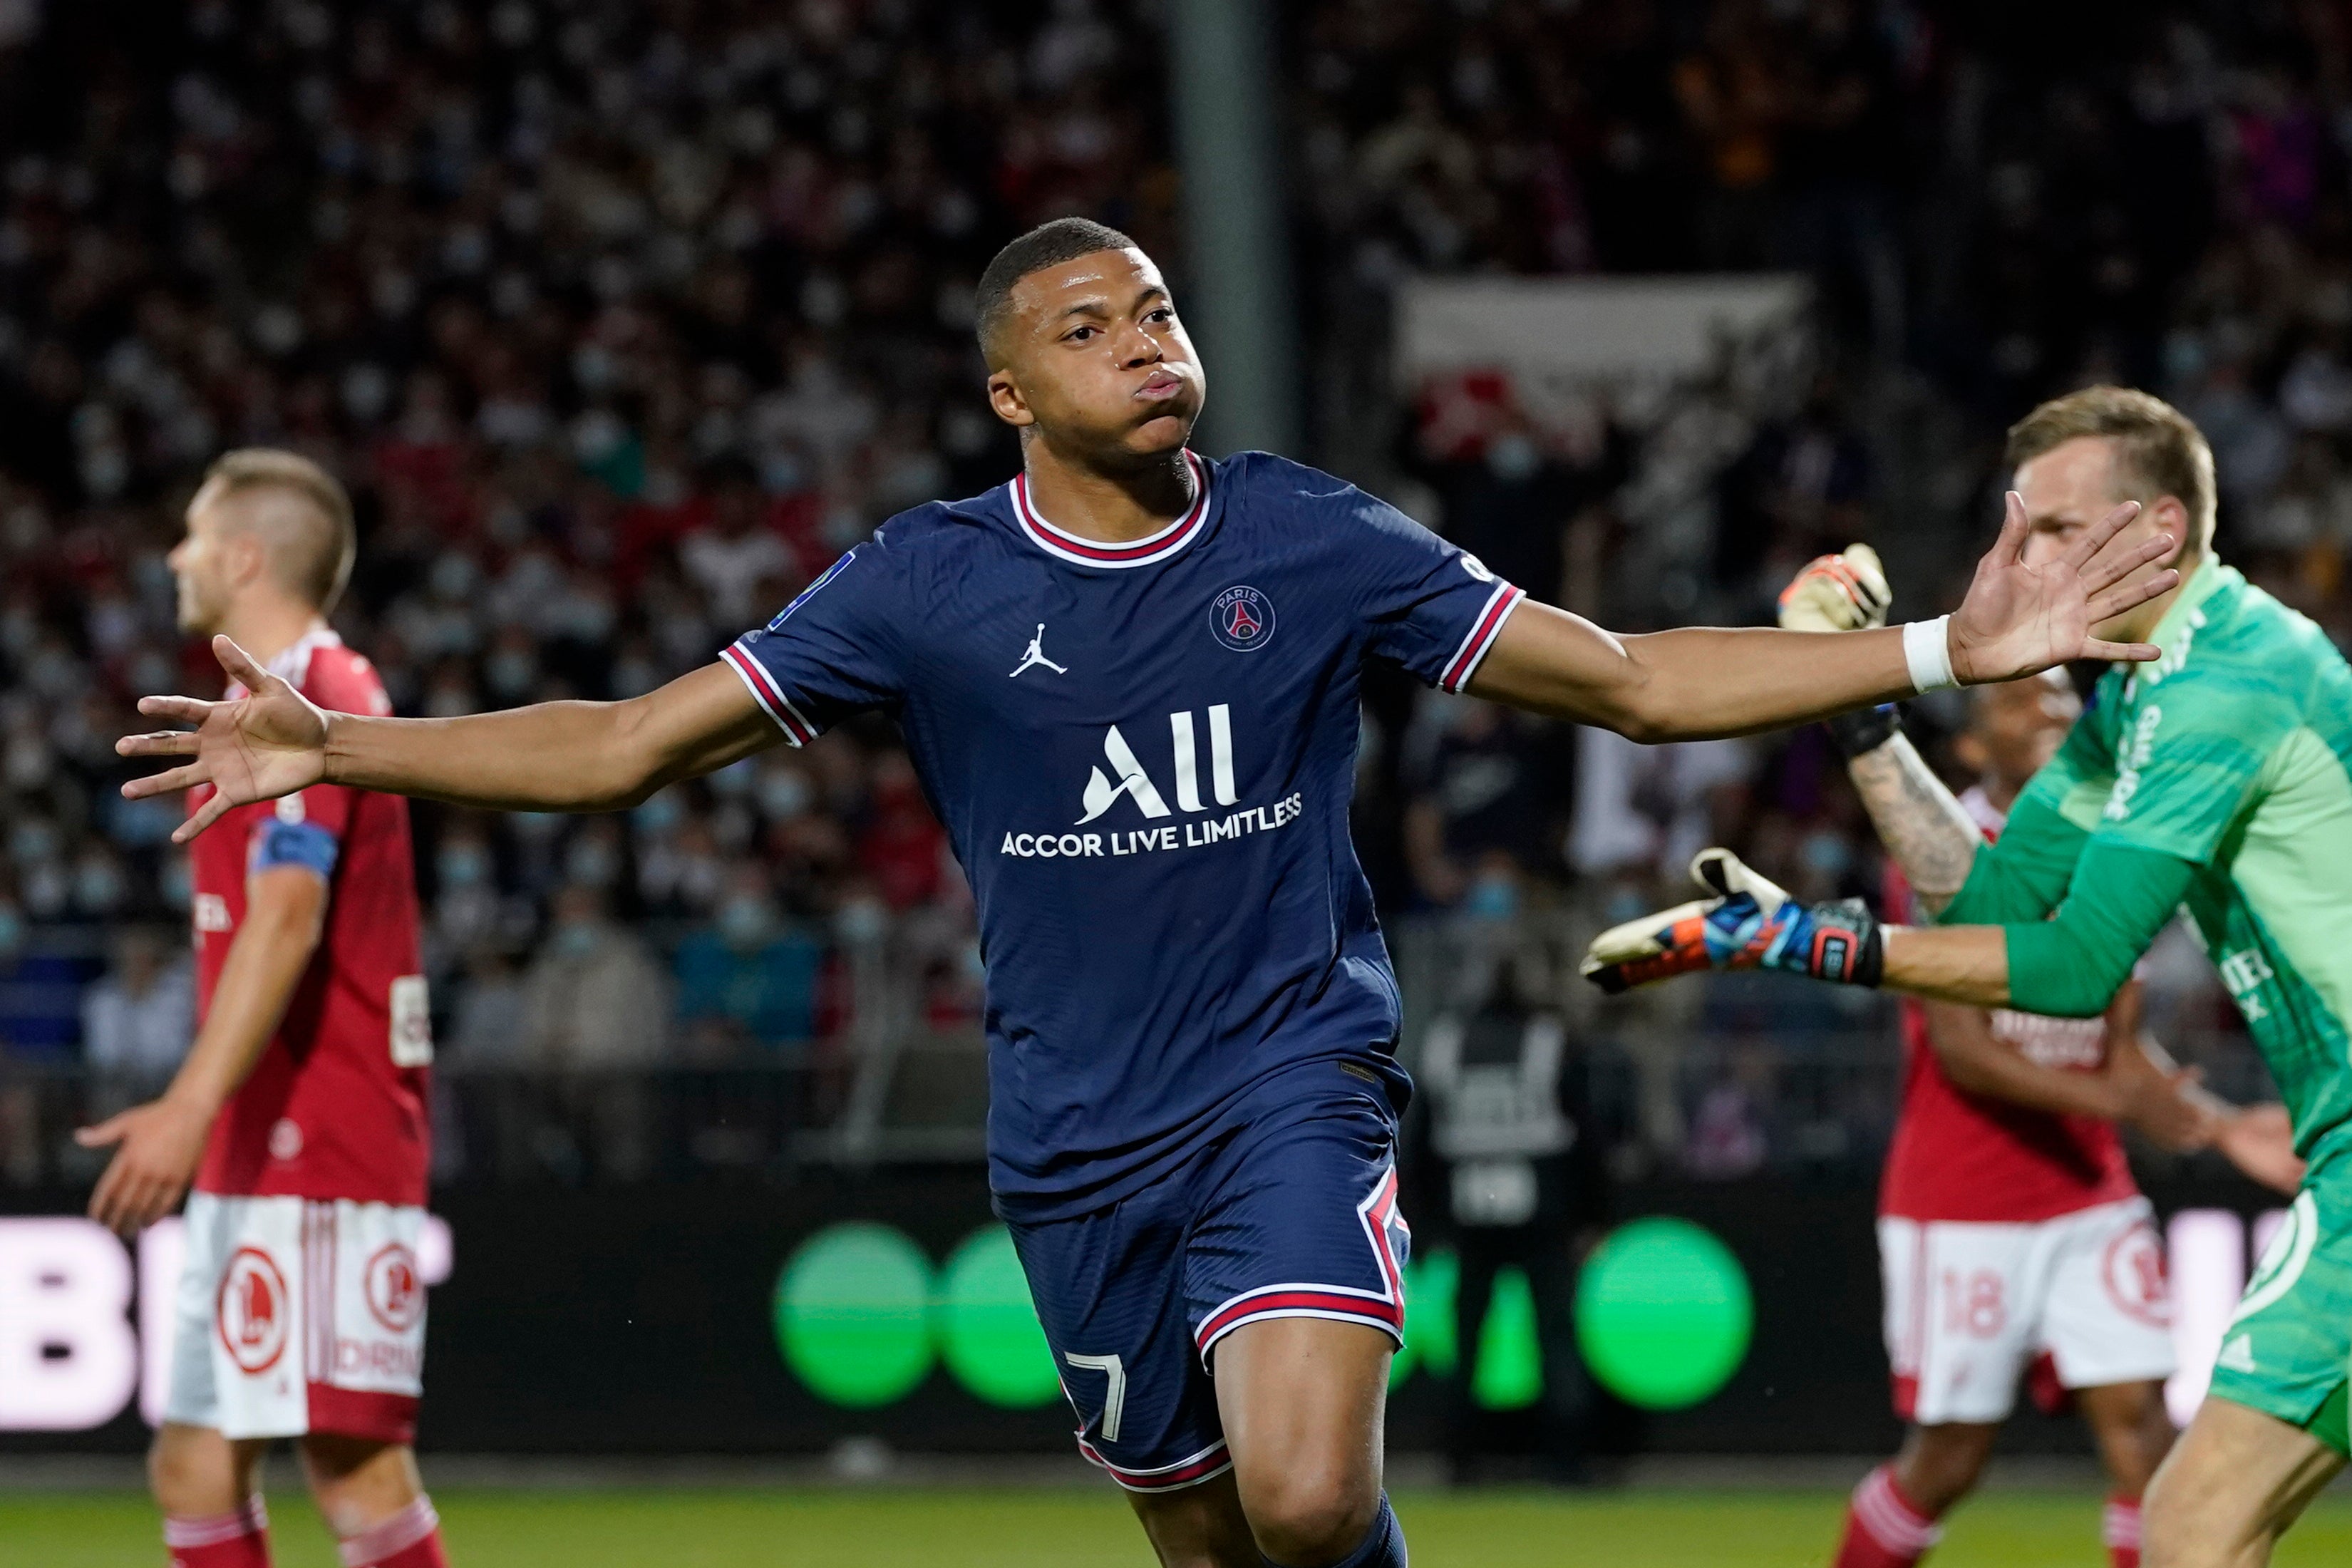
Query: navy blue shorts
<point x="1291" y="1214"/>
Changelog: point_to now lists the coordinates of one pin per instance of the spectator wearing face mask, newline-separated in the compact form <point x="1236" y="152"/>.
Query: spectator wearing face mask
<point x="746" y="980"/>
<point x="26" y="1038"/>
<point x="1484" y="813"/>
<point x="596" y="1012"/>
<point x="137" y="1022"/>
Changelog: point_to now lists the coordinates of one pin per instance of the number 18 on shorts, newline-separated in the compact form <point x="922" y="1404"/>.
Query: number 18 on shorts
<point x="1970" y="1305"/>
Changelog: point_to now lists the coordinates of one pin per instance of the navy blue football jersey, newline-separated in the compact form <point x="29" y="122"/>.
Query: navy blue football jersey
<point x="1143" y="754"/>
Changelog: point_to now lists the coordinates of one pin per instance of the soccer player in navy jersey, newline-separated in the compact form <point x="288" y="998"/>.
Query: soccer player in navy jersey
<point x="1128" y="680"/>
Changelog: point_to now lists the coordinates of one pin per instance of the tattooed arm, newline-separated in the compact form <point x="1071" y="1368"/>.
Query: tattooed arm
<point x="1927" y="831"/>
<point x="1923" y="826"/>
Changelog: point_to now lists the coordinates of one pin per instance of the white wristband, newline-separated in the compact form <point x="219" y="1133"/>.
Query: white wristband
<point x="1927" y="649"/>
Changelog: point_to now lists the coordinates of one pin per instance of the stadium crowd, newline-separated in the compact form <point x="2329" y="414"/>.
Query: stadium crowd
<point x="1990" y="208"/>
<point x="622" y="320"/>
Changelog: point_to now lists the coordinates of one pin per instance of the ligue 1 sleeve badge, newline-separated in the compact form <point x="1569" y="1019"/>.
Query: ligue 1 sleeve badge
<point x="1242" y="618"/>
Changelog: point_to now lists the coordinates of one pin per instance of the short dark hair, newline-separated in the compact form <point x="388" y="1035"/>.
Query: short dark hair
<point x="317" y="560"/>
<point x="1047" y="244"/>
<point x="2158" y="451"/>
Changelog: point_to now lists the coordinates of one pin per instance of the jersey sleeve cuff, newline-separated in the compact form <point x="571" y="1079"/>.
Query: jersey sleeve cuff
<point x="1483" y="633"/>
<point x="798" y="730"/>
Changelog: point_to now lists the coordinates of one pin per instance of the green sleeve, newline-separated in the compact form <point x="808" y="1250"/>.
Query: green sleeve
<point x="2024" y="874"/>
<point x="2071" y="966"/>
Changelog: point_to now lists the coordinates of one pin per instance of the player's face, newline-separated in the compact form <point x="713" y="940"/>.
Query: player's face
<point x="1095" y="357"/>
<point x="205" y="563"/>
<point x="2072" y="487"/>
<point x="2017" y="727"/>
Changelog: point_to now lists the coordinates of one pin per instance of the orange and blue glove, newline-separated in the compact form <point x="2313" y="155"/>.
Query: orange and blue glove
<point x="1750" y="924"/>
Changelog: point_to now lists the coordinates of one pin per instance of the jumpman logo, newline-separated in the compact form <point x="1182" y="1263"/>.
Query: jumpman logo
<point x="1037" y="655"/>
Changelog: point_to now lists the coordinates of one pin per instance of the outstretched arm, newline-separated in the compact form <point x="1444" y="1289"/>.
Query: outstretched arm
<point x="2068" y="966"/>
<point x="1691" y="684"/>
<point x="552" y="756"/>
<point x="1699" y="682"/>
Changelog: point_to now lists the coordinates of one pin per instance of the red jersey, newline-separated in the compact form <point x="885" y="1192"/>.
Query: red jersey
<point x="335" y="1106"/>
<point x="1963" y="1156"/>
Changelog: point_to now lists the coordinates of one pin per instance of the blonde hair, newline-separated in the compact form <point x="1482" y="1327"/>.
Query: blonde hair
<point x="2158" y="451"/>
<point x="318" y="560"/>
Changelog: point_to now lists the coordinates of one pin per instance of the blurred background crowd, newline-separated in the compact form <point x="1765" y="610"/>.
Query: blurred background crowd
<point x="621" y="319"/>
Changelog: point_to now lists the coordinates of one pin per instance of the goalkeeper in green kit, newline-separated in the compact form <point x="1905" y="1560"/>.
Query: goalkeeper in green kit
<point x="2217" y="780"/>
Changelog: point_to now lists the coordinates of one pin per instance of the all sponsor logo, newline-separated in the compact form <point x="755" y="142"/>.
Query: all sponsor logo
<point x="396" y="1290"/>
<point x="252" y="1310"/>
<point x="1121" y="775"/>
<point x="1101" y="794"/>
<point x="1242" y="618"/>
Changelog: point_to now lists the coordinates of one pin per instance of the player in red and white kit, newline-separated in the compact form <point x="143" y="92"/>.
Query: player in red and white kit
<point x="2014" y="1245"/>
<point x="2012" y="1239"/>
<point x="300" y="1311"/>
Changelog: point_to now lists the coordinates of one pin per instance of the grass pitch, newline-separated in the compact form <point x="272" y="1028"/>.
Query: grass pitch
<point x="1076" y="1528"/>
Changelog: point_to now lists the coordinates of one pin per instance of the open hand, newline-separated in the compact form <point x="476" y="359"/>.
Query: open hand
<point x="158" y="1145"/>
<point x="2171" y="1107"/>
<point x="2020" y="620"/>
<point x="2166" y="1101"/>
<point x="269" y="742"/>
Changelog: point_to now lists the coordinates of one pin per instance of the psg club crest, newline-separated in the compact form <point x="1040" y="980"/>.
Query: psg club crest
<point x="1242" y="618"/>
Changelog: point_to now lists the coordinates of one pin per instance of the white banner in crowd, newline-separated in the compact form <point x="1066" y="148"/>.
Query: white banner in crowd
<point x="1585" y="330"/>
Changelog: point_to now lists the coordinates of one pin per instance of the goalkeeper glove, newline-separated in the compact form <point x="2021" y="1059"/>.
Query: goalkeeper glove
<point x="1750" y="924"/>
<point x="1844" y="593"/>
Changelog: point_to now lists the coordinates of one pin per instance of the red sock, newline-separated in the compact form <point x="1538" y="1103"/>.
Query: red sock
<point x="239" y="1539"/>
<point x="1884" y="1528"/>
<point x="409" y="1539"/>
<point x="2120" y="1529"/>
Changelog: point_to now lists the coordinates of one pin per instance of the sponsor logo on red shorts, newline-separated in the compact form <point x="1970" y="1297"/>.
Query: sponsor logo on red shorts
<point x="396" y="1295"/>
<point x="252" y="1310"/>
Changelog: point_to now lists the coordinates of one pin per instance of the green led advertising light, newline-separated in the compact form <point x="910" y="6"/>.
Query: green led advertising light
<point x="986" y="1327"/>
<point x="1664" y="1313"/>
<point x="852" y="1309"/>
<point x="861" y="1317"/>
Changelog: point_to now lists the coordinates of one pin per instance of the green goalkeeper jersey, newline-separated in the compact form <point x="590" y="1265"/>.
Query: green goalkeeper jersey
<point x="2217" y="779"/>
